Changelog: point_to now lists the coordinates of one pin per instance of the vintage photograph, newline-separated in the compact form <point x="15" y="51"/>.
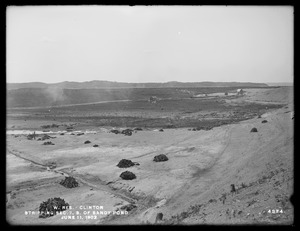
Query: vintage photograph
<point x="149" y="115"/>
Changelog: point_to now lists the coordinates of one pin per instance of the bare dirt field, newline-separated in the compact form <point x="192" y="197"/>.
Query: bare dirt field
<point x="217" y="172"/>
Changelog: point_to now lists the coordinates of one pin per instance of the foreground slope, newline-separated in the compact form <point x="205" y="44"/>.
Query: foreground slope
<point x="192" y="187"/>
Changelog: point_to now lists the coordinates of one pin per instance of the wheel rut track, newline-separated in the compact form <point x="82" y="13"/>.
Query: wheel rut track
<point x="102" y="186"/>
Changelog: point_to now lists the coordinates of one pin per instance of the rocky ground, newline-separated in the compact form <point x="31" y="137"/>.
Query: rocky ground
<point x="225" y="175"/>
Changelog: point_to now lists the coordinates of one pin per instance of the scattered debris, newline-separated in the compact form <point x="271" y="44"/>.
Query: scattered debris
<point x="31" y="136"/>
<point x="127" y="132"/>
<point x="128" y="207"/>
<point x="253" y="130"/>
<point x="51" y="165"/>
<point x="48" y="143"/>
<point x="170" y="126"/>
<point x="127" y="175"/>
<point x="87" y="142"/>
<point x="50" y="126"/>
<point x="212" y="200"/>
<point x="115" y="131"/>
<point x="264" y="121"/>
<point x="161" y="157"/>
<point x="206" y="128"/>
<point x="138" y="129"/>
<point x="46" y="137"/>
<point x="69" y="182"/>
<point x="125" y="163"/>
<point x="52" y="206"/>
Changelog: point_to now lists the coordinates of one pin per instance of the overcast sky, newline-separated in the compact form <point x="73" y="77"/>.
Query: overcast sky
<point x="149" y="44"/>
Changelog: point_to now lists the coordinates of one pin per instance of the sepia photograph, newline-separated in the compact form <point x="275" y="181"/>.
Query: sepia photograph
<point x="149" y="115"/>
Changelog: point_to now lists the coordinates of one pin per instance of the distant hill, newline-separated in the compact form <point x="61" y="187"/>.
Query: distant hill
<point x="285" y="84"/>
<point x="98" y="84"/>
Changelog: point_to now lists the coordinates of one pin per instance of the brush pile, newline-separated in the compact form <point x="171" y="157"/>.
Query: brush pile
<point x="253" y="130"/>
<point x="48" y="143"/>
<point x="127" y="175"/>
<point x="160" y="158"/>
<point x="52" y="206"/>
<point x="125" y="163"/>
<point x="69" y="182"/>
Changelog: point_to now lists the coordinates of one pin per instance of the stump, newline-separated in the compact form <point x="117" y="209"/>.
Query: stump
<point x="160" y="158"/>
<point x="159" y="217"/>
<point x="69" y="182"/>
<point x="52" y="206"/>
<point x="232" y="188"/>
<point x="253" y="130"/>
<point x="127" y="175"/>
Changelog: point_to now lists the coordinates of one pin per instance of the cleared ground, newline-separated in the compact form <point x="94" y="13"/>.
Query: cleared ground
<point x="192" y="187"/>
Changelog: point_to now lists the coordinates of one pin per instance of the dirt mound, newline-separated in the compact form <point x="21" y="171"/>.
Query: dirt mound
<point x="52" y="206"/>
<point x="69" y="182"/>
<point x="127" y="175"/>
<point x="48" y="143"/>
<point x="87" y="142"/>
<point x="125" y="163"/>
<point x="160" y="158"/>
<point x="253" y="130"/>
